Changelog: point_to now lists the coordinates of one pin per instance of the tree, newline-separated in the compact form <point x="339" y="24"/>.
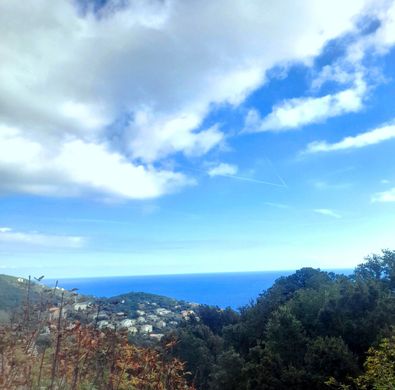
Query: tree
<point x="228" y="372"/>
<point x="379" y="268"/>
<point x="379" y="367"/>
<point x="329" y="357"/>
<point x="285" y="337"/>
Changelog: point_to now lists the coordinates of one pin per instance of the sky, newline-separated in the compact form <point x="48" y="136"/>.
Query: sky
<point x="168" y="136"/>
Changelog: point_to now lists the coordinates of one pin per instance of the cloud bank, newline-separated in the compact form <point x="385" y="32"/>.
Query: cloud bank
<point x="97" y="101"/>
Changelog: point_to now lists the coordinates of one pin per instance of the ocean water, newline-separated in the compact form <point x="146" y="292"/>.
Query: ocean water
<point x="220" y="289"/>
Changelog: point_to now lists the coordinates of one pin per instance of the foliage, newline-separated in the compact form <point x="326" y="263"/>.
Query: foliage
<point x="41" y="349"/>
<point x="310" y="330"/>
<point x="379" y="367"/>
<point x="132" y="301"/>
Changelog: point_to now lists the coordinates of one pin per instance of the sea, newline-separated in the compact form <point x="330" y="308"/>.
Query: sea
<point x="233" y="290"/>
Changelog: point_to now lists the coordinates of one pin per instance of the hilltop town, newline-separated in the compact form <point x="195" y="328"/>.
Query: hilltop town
<point x="145" y="317"/>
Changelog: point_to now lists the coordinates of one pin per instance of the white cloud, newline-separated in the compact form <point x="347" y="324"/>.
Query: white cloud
<point x="382" y="39"/>
<point x="223" y="169"/>
<point x="9" y="236"/>
<point x="359" y="141"/>
<point x="77" y="166"/>
<point x="385" y="196"/>
<point x="328" y="213"/>
<point x="364" y="44"/>
<point x="348" y="69"/>
<point x="299" y="112"/>
<point x="340" y="72"/>
<point x="133" y="85"/>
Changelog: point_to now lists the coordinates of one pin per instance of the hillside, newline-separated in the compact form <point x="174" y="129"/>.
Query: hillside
<point x="13" y="293"/>
<point x="311" y="330"/>
<point x="146" y="317"/>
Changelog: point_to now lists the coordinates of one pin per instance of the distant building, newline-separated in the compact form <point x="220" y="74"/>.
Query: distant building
<point x="146" y="328"/>
<point x="105" y="324"/>
<point x="82" y="306"/>
<point x="127" y="323"/>
<point x="186" y="314"/>
<point x="152" y="317"/>
<point x="54" y="313"/>
<point x="156" y="336"/>
<point x="162" y="311"/>
<point x="132" y="330"/>
<point x="160" y="324"/>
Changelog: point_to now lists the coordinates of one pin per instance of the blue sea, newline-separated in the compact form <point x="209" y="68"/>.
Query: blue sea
<point x="219" y="289"/>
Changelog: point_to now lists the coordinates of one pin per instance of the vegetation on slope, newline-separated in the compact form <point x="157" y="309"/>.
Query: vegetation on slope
<point x="310" y="330"/>
<point x="41" y="349"/>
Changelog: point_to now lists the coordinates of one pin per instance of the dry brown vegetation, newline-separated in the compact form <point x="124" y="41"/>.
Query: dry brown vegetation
<point x="41" y="349"/>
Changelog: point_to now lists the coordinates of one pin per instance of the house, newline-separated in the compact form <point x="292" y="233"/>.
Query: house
<point x="82" y="306"/>
<point x="186" y="314"/>
<point x="54" y="313"/>
<point x="146" y="328"/>
<point x="160" y="324"/>
<point x="132" y="330"/>
<point x="152" y="317"/>
<point x="162" y="311"/>
<point x="127" y="323"/>
<point x="105" y="324"/>
<point x="156" y="336"/>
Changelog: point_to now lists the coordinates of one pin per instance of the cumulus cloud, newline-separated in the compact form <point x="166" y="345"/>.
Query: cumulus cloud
<point x="223" y="169"/>
<point x="385" y="196"/>
<point x="131" y="85"/>
<point x="299" y="112"/>
<point x="349" y="70"/>
<point x="76" y="166"/>
<point x="382" y="39"/>
<point x="328" y="213"/>
<point x="376" y="42"/>
<point x="10" y="236"/>
<point x="362" y="140"/>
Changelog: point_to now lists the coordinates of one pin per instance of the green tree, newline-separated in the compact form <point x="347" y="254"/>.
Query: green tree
<point x="228" y="372"/>
<point x="379" y="367"/>
<point x="329" y="357"/>
<point x="285" y="337"/>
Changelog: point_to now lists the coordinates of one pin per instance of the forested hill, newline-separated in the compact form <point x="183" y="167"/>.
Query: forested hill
<point x="310" y="330"/>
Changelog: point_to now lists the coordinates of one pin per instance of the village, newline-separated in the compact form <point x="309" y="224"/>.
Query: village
<point x="143" y="319"/>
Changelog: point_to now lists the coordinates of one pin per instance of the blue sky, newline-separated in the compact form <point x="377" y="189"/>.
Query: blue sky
<point x="161" y="137"/>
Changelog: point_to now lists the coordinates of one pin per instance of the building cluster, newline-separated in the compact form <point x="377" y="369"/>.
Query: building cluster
<point x="148" y="321"/>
